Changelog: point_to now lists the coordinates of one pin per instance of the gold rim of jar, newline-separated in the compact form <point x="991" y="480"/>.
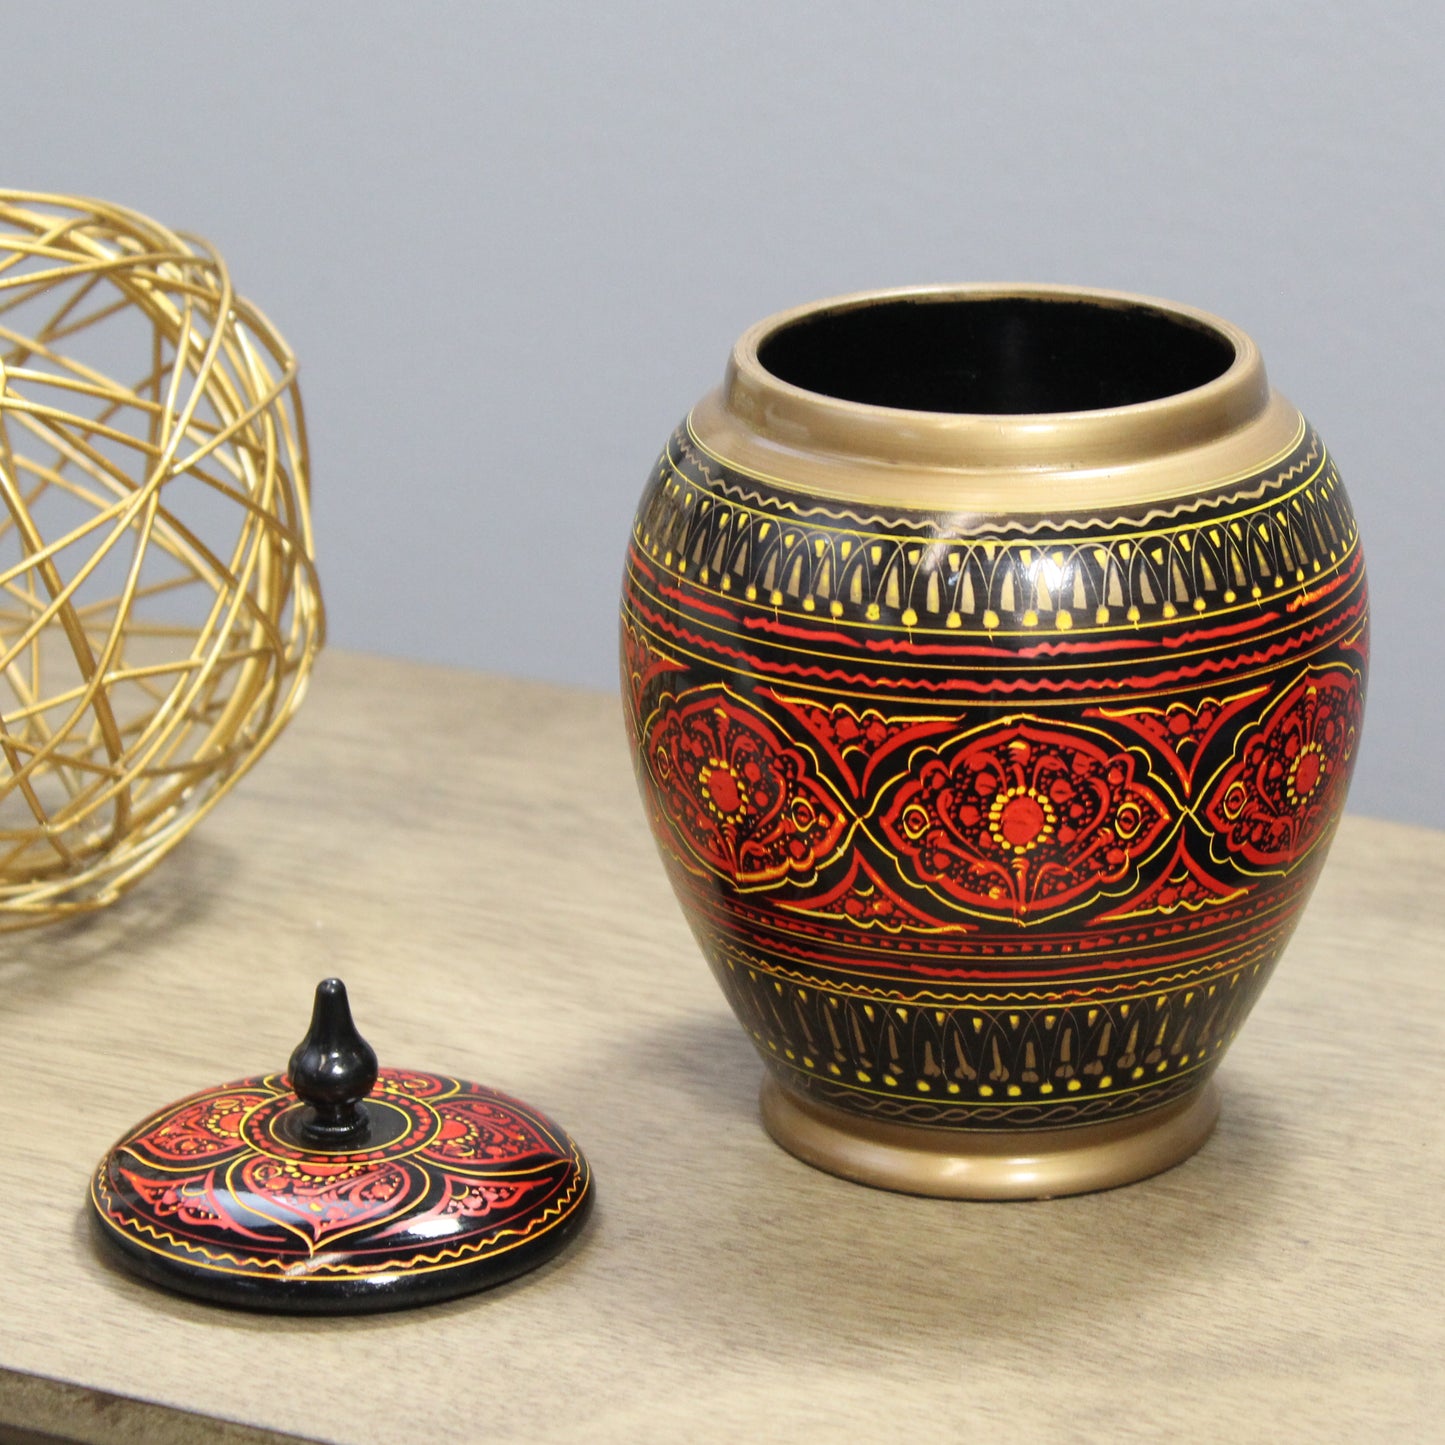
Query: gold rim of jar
<point x="1197" y="439"/>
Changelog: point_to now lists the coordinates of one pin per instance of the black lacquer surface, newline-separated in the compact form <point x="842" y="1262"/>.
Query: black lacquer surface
<point x="341" y="1187"/>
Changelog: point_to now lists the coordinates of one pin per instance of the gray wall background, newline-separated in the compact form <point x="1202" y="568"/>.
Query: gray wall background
<point x="512" y="243"/>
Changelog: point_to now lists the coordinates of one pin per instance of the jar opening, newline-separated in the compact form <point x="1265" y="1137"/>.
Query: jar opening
<point x="999" y="355"/>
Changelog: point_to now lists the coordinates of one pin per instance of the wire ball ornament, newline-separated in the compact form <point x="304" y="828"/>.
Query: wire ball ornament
<point x="159" y="604"/>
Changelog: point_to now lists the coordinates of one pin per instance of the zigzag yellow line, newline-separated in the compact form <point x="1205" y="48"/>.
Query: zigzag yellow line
<point x="833" y="511"/>
<point x="1177" y="980"/>
<point x="444" y="1258"/>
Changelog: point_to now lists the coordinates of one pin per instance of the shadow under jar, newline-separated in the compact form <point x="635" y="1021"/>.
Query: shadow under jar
<point x="994" y="663"/>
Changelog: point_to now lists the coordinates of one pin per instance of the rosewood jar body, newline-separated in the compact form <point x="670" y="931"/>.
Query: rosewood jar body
<point x="994" y="664"/>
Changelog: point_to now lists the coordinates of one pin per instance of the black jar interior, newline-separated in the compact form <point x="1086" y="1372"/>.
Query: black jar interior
<point x="996" y="354"/>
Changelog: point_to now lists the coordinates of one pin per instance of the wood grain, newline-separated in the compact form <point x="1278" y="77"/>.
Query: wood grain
<point x="469" y="854"/>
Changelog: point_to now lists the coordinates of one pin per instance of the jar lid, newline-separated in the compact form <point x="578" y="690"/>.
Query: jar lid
<point x="339" y="1187"/>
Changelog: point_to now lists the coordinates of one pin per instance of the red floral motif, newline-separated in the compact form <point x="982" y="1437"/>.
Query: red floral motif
<point x="641" y="664"/>
<point x="477" y="1201"/>
<point x="477" y="1170"/>
<point x="1182" y="886"/>
<point x="860" y="740"/>
<point x="203" y="1128"/>
<point x="742" y="800"/>
<point x="474" y="1131"/>
<point x="199" y="1201"/>
<point x="319" y="1200"/>
<point x="408" y="1083"/>
<point x="1180" y="730"/>
<point x="1289" y="774"/>
<point x="864" y="901"/>
<point x="1024" y="820"/>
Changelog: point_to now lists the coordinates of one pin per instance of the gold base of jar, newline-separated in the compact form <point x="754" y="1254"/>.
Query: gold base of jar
<point x="1013" y="1164"/>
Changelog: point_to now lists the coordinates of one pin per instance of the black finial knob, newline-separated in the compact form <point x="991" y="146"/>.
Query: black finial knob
<point x="332" y="1071"/>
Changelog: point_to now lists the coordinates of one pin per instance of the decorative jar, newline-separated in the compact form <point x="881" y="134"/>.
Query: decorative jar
<point x="994" y="662"/>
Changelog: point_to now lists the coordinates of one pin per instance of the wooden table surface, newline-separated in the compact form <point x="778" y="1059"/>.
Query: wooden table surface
<point x="469" y="854"/>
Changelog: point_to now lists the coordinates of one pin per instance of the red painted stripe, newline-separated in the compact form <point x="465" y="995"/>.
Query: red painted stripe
<point x="804" y="634"/>
<point x="637" y="560"/>
<point x="1038" y="649"/>
<point x="1001" y="687"/>
<point x="1233" y="629"/>
<point x="1334" y="584"/>
<point x="1030" y="974"/>
<point x="1029" y="961"/>
<point x="749" y="925"/>
<point x="683" y="599"/>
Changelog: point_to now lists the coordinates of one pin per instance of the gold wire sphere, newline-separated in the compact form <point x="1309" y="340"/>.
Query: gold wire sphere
<point x="159" y="606"/>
